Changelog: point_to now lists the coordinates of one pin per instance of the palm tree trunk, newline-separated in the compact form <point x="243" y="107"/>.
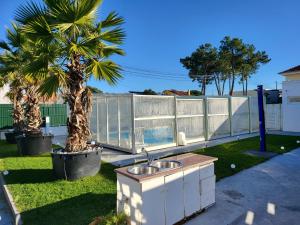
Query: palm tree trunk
<point x="18" y="111"/>
<point x="33" y="114"/>
<point x="79" y="100"/>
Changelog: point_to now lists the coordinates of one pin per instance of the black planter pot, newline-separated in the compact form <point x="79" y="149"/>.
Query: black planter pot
<point x="34" y="144"/>
<point x="10" y="136"/>
<point x="75" y="165"/>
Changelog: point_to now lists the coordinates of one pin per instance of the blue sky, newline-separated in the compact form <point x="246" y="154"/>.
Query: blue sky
<point x="160" y="32"/>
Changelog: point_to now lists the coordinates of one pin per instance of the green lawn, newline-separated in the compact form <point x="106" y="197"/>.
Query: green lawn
<point x="46" y="201"/>
<point x="233" y="153"/>
<point x="43" y="200"/>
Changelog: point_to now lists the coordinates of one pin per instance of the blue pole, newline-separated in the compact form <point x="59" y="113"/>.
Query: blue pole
<point x="262" y="127"/>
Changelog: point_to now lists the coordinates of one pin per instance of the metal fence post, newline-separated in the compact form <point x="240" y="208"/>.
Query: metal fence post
<point x="107" y="121"/>
<point x="206" y="133"/>
<point x="230" y="115"/>
<point x="175" y="120"/>
<point x="97" y="119"/>
<point x="119" y="122"/>
<point x="134" y="150"/>
<point x="250" y="114"/>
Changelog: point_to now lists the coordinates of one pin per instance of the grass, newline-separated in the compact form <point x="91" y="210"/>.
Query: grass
<point x="44" y="200"/>
<point x="233" y="153"/>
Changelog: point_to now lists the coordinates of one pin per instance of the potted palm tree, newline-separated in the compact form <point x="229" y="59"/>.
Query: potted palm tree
<point x="18" y="52"/>
<point x="11" y="60"/>
<point x="33" y="141"/>
<point x="75" y="47"/>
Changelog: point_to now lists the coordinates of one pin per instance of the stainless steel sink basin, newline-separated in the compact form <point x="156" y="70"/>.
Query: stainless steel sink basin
<point x="143" y="170"/>
<point x="167" y="164"/>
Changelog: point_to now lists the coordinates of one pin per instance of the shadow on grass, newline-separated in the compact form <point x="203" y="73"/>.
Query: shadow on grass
<point x="79" y="210"/>
<point x="30" y="176"/>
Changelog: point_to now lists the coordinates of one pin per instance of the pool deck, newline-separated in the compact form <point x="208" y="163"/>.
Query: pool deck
<point x="119" y="158"/>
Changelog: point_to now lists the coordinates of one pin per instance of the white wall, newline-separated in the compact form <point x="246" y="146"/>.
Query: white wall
<point x="291" y="110"/>
<point x="3" y="92"/>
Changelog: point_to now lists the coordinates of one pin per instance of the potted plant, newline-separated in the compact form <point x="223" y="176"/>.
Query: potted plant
<point x="75" y="47"/>
<point x="11" y="59"/>
<point x="33" y="141"/>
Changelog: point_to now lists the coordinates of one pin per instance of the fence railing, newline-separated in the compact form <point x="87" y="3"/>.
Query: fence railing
<point x="56" y="112"/>
<point x="133" y="122"/>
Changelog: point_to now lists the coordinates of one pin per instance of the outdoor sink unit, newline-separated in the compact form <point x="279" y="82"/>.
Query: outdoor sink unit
<point x="154" y="167"/>
<point x="164" y="192"/>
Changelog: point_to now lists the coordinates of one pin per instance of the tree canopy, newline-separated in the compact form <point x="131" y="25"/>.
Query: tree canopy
<point x="232" y="59"/>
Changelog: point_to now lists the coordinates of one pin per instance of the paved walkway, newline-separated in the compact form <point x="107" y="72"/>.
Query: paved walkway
<point x="268" y="193"/>
<point x="5" y="216"/>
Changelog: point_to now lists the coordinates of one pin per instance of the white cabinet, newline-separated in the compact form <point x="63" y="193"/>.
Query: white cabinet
<point x="174" y="210"/>
<point x="153" y="201"/>
<point x="191" y="191"/>
<point x="166" y="199"/>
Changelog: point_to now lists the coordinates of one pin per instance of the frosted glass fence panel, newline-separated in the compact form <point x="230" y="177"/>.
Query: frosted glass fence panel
<point x="151" y="133"/>
<point x="125" y="122"/>
<point x="154" y="121"/>
<point x="113" y="125"/>
<point x="190" y="118"/>
<point x="102" y="120"/>
<point x="240" y="115"/>
<point x="254" y="114"/>
<point x="93" y="120"/>
<point x="153" y="106"/>
<point x="131" y="122"/>
<point x="218" y="117"/>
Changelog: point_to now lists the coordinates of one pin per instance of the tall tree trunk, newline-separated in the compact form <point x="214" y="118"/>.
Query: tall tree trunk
<point x="79" y="100"/>
<point x="33" y="114"/>
<point x="217" y="83"/>
<point x="232" y="85"/>
<point x="18" y="111"/>
<point x="246" y="86"/>
<point x="243" y="86"/>
<point x="223" y="86"/>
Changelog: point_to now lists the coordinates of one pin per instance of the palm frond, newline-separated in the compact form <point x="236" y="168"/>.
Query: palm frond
<point x="115" y="36"/>
<point x="105" y="70"/>
<point x="109" y="50"/>
<point x="4" y="46"/>
<point x="72" y="15"/>
<point x="53" y="82"/>
<point x="113" y="19"/>
<point x="29" y="12"/>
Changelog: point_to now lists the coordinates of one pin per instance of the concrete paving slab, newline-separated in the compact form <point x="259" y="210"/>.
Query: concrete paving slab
<point x="265" y="194"/>
<point x="5" y="215"/>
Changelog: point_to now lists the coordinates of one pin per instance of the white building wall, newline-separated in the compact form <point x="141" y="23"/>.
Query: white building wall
<point x="290" y="105"/>
<point x="3" y="91"/>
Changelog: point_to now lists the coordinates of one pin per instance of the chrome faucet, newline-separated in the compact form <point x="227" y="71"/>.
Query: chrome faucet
<point x="149" y="157"/>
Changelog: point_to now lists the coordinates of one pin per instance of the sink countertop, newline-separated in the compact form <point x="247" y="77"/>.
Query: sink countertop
<point x="188" y="160"/>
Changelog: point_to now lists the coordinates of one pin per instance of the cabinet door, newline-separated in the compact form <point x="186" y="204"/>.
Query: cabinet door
<point x="174" y="210"/>
<point x="153" y="202"/>
<point x="192" y="201"/>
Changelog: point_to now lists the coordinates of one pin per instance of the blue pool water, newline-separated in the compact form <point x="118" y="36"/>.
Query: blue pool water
<point x="151" y="136"/>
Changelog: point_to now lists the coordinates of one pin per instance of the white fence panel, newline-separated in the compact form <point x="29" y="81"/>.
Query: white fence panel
<point x="240" y="115"/>
<point x="218" y="117"/>
<point x="273" y="116"/>
<point x="190" y="118"/>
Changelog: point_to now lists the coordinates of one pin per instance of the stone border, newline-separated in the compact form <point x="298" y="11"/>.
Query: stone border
<point x="14" y="211"/>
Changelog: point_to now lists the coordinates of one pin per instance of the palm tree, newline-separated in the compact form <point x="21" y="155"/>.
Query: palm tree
<point x="11" y="60"/>
<point x="73" y="46"/>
